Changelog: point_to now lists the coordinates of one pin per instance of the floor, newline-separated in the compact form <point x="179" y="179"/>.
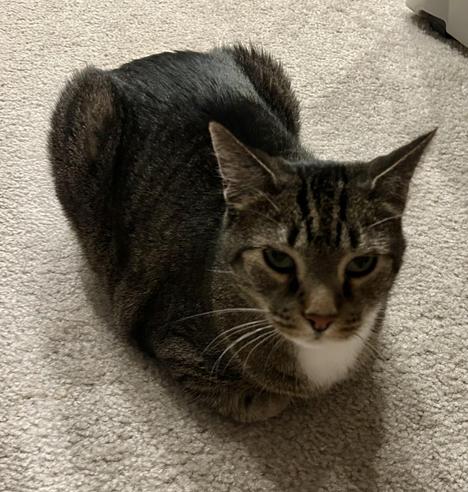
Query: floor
<point x="80" y="410"/>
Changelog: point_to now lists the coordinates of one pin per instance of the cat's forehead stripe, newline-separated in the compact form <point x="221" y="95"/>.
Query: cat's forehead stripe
<point x="292" y="235"/>
<point x="303" y="203"/>
<point x="324" y="195"/>
<point x="343" y="207"/>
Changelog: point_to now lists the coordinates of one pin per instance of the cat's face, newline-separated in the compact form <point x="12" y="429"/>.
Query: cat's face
<point x="316" y="245"/>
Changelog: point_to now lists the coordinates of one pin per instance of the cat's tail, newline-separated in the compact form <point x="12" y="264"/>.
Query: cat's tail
<point x="270" y="81"/>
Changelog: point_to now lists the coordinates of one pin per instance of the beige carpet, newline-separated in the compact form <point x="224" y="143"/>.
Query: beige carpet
<point x="81" y="410"/>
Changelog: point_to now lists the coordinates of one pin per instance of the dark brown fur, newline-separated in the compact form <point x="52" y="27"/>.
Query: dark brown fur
<point x="180" y="249"/>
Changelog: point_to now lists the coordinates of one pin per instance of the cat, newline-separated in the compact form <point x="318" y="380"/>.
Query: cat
<point x="251" y="270"/>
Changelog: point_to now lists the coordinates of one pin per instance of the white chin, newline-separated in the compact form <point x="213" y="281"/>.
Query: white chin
<point x="325" y="362"/>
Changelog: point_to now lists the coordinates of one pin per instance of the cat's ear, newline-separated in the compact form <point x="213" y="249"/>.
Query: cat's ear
<point x="390" y="175"/>
<point x="247" y="175"/>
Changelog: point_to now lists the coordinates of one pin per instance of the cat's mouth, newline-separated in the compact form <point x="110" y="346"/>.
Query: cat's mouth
<point x="301" y="332"/>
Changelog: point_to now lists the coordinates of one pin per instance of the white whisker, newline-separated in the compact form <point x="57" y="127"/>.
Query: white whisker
<point x="266" y="337"/>
<point x="266" y="217"/>
<point x="221" y="311"/>
<point x="275" y="347"/>
<point x="394" y="217"/>
<point x="230" y="346"/>
<point x="369" y="346"/>
<point x="250" y="342"/>
<point x="241" y="327"/>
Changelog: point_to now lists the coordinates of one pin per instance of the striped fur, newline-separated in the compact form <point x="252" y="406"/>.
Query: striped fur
<point x="176" y="171"/>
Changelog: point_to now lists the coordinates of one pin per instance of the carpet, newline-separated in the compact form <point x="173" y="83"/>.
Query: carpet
<point x="82" y="410"/>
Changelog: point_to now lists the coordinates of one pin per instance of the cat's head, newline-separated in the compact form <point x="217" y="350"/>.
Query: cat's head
<point x="316" y="244"/>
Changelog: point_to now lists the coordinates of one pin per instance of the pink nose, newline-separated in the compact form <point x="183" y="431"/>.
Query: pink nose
<point x="319" y="322"/>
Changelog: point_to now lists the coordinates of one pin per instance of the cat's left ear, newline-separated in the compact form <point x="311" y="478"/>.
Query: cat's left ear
<point x="390" y="175"/>
<point x="247" y="173"/>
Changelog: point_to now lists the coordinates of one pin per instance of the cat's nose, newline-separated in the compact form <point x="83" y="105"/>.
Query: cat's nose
<point x="320" y="322"/>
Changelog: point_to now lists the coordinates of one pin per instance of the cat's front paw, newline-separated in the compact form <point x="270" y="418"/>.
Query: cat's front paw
<point x="253" y="406"/>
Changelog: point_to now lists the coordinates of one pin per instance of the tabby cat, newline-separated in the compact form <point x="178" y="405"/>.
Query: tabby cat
<point x="249" y="268"/>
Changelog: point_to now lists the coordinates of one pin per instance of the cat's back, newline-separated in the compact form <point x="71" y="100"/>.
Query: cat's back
<point x="243" y="88"/>
<point x="130" y="147"/>
<point x="133" y="163"/>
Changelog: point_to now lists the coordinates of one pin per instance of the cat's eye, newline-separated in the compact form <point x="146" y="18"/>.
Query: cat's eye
<point x="279" y="261"/>
<point x="361" y="266"/>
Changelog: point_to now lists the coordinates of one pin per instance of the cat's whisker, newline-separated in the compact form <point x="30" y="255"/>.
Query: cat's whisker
<point x="266" y="217"/>
<point x="220" y="311"/>
<point x="275" y="347"/>
<point x="377" y="353"/>
<point x="233" y="344"/>
<point x="369" y="349"/>
<point x="375" y="224"/>
<point x="266" y="337"/>
<point x="234" y="329"/>
<point x="222" y="271"/>
<point x="369" y="346"/>
<point x="247" y="344"/>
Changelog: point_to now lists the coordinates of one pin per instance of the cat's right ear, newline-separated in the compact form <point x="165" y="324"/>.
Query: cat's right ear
<point x="390" y="175"/>
<point x="246" y="175"/>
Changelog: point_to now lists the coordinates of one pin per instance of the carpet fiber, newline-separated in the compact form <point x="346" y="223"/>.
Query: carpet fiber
<point x="80" y="409"/>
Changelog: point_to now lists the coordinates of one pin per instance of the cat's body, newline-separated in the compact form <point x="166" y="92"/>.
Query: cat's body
<point x="135" y="171"/>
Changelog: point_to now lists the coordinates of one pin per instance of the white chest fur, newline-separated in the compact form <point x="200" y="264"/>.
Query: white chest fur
<point x="330" y="362"/>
